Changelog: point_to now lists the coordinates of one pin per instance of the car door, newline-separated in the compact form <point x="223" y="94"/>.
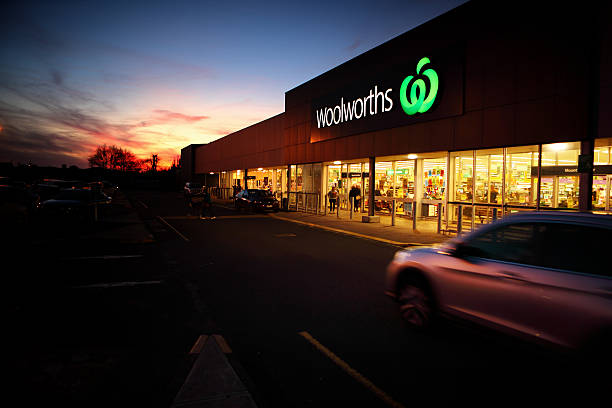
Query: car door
<point x="491" y="282"/>
<point x="572" y="280"/>
<point x="548" y="280"/>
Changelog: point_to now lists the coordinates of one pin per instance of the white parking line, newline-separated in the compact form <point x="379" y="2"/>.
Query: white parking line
<point x="174" y="229"/>
<point x="117" y="284"/>
<point x="351" y="371"/>
<point x="143" y="204"/>
<point x="105" y="257"/>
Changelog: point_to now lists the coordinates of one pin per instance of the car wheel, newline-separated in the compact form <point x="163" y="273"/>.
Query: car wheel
<point x="415" y="304"/>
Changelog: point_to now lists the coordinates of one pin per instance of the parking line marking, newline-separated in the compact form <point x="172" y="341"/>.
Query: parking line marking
<point x="199" y="344"/>
<point x="225" y="348"/>
<point x="143" y="204"/>
<point x="105" y="257"/>
<point x="174" y="229"/>
<point x="350" y="371"/>
<point x="117" y="284"/>
<point x="222" y="217"/>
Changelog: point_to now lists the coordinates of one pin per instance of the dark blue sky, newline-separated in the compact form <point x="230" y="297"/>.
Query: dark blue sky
<point x="156" y="76"/>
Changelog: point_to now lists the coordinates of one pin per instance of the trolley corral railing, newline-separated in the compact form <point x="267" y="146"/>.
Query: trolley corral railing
<point x="451" y="217"/>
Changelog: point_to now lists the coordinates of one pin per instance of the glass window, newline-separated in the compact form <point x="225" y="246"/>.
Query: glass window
<point x="575" y="247"/>
<point x="509" y="243"/>
<point x="522" y="175"/>
<point x="383" y="178"/>
<point x="489" y="170"/>
<point x="602" y="151"/>
<point x="434" y="178"/>
<point x="463" y="165"/>
<point x="602" y="177"/>
<point x="404" y="179"/>
<point x="560" y="175"/>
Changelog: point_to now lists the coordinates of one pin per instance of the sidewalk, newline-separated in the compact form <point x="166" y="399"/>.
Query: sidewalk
<point x="401" y="234"/>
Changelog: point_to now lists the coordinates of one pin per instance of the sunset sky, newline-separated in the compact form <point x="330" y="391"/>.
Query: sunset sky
<point x="153" y="77"/>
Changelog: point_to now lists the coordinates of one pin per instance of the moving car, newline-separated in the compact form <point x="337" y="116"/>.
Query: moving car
<point x="193" y="189"/>
<point x="256" y="200"/>
<point x="77" y="203"/>
<point x="542" y="276"/>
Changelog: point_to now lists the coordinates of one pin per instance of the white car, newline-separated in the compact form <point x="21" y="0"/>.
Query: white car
<point x="546" y="276"/>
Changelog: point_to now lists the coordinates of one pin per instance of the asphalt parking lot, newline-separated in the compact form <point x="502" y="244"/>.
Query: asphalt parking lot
<point x="94" y="320"/>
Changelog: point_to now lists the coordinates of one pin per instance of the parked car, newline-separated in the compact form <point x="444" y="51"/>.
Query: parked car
<point x="75" y="203"/>
<point x="543" y="276"/>
<point x="17" y="205"/>
<point x="193" y="189"/>
<point x="256" y="200"/>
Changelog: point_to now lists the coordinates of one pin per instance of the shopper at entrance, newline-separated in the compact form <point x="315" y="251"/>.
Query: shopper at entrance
<point x="333" y="196"/>
<point x="355" y="197"/>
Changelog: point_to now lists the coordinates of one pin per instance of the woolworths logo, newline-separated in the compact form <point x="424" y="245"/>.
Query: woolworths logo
<point x="376" y="102"/>
<point x="418" y="102"/>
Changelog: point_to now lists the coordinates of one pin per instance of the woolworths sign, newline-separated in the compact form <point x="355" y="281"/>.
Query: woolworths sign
<point x="424" y="88"/>
<point x="416" y="95"/>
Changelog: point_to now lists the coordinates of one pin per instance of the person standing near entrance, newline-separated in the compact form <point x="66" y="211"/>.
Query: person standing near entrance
<point x="333" y="196"/>
<point x="355" y="197"/>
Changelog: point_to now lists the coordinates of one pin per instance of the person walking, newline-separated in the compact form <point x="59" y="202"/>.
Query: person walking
<point x="207" y="207"/>
<point x="333" y="196"/>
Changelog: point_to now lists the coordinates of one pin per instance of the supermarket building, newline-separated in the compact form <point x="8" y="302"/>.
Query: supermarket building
<point x="485" y="110"/>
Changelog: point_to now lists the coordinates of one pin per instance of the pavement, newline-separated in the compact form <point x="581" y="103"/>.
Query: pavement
<point x="214" y="378"/>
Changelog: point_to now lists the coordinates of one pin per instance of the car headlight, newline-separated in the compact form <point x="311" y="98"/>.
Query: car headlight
<point x="402" y="255"/>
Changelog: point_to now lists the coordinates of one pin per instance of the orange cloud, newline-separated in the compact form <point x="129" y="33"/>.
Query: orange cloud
<point x="169" y="115"/>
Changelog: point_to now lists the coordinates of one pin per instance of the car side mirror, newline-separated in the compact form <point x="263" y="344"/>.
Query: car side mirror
<point x="463" y="250"/>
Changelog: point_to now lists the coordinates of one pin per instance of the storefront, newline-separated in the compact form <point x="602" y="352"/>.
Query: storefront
<point x="464" y="119"/>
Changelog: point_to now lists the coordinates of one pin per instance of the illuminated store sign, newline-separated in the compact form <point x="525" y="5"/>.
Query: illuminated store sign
<point x="357" y="108"/>
<point x="423" y="91"/>
<point x="374" y="96"/>
<point x="418" y="102"/>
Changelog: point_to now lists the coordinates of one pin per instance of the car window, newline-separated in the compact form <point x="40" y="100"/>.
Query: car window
<point x="509" y="243"/>
<point x="575" y="247"/>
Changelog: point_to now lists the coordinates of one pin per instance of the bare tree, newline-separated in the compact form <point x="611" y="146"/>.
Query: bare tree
<point x="115" y="158"/>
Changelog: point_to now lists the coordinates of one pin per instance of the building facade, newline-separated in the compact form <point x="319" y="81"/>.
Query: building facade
<point x="484" y="110"/>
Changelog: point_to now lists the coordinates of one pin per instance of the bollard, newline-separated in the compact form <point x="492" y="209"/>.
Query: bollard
<point x="494" y="214"/>
<point x="439" y="217"/>
<point x="460" y="220"/>
<point x="414" y="217"/>
<point x="351" y="204"/>
<point x="338" y="207"/>
<point x="393" y="213"/>
<point x="325" y="210"/>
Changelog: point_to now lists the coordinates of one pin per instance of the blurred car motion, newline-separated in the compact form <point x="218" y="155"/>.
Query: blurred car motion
<point x="193" y="189"/>
<point x="542" y="276"/>
<point x="78" y="203"/>
<point x="256" y="200"/>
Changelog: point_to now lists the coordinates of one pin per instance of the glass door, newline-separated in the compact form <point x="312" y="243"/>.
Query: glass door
<point x="601" y="192"/>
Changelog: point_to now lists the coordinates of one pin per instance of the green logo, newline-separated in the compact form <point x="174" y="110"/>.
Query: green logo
<point x="418" y="102"/>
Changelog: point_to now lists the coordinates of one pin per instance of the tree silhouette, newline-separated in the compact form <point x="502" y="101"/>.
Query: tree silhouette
<point x="115" y="158"/>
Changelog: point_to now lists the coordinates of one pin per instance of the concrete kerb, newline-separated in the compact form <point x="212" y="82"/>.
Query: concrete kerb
<point x="377" y="232"/>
